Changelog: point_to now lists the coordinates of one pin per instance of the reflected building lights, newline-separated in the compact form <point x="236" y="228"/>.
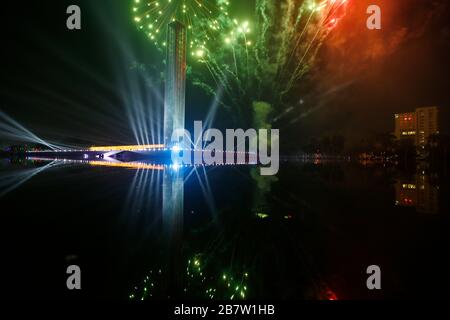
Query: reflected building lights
<point x="129" y="165"/>
<point x="418" y="193"/>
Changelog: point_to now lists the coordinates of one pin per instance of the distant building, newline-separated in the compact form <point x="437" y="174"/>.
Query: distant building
<point x="417" y="126"/>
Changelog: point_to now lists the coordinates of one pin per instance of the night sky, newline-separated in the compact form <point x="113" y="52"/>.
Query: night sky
<point x="67" y="86"/>
<point x="404" y="66"/>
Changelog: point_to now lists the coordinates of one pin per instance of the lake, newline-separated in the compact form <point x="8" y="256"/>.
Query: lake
<point x="146" y="231"/>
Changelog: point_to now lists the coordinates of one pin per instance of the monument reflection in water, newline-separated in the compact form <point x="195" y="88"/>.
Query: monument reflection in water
<point x="172" y="218"/>
<point x="180" y="273"/>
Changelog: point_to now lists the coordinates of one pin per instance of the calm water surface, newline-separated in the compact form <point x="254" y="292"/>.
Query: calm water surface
<point x="222" y="232"/>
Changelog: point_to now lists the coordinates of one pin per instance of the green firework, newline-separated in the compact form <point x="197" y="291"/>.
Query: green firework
<point x="265" y="59"/>
<point x="202" y="19"/>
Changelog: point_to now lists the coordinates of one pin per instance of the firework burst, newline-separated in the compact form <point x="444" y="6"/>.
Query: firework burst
<point x="264" y="59"/>
<point x="259" y="59"/>
<point x="202" y="19"/>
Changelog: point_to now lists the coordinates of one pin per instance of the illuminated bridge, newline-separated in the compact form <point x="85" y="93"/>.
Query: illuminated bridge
<point x="124" y="155"/>
<point x="154" y="147"/>
<point x="127" y="152"/>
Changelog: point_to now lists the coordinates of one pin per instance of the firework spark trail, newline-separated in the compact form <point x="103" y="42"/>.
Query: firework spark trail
<point x="291" y="41"/>
<point x="333" y="6"/>
<point x="235" y="62"/>
<point x="285" y="20"/>
<point x="299" y="16"/>
<point x="299" y="39"/>
<point x="286" y="33"/>
<point x="214" y="75"/>
<point x="300" y="66"/>
<point x="223" y="80"/>
<point x="260" y="50"/>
